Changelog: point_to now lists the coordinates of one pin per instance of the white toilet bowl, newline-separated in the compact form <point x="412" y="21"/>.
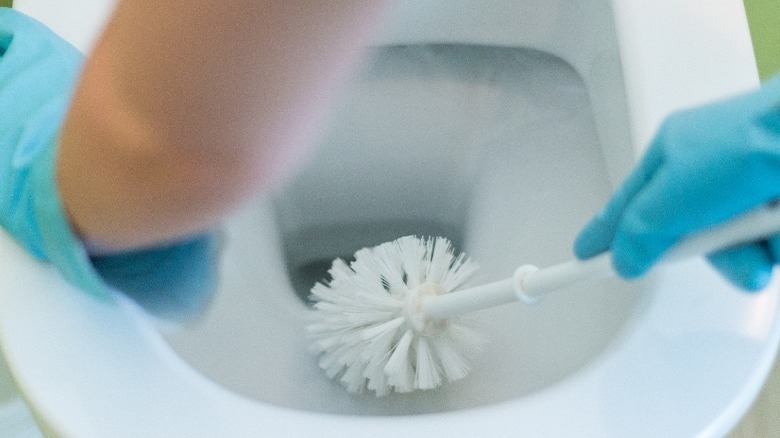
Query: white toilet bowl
<point x="503" y="125"/>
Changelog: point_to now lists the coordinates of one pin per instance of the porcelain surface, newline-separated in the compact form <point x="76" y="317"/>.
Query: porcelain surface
<point x="531" y="144"/>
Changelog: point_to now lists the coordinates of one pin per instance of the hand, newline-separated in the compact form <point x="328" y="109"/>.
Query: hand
<point x="705" y="166"/>
<point x="38" y="71"/>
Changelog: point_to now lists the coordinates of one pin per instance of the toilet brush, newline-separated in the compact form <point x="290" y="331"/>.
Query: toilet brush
<point x="390" y="321"/>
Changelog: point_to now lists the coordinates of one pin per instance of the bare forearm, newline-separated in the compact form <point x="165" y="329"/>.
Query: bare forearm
<point x="188" y="107"/>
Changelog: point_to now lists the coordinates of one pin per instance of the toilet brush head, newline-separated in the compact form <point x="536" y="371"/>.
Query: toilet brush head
<point x="368" y="327"/>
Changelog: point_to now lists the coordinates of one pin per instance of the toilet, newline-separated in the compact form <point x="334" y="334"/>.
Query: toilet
<point x="502" y="125"/>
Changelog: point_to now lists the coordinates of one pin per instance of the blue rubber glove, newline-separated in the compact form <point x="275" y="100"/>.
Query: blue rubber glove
<point x="38" y="73"/>
<point x="705" y="166"/>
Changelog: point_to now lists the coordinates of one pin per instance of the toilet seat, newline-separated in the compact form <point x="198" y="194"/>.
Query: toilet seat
<point x="690" y="363"/>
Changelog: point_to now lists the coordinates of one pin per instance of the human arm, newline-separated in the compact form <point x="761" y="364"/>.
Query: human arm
<point x="187" y="108"/>
<point x="704" y="166"/>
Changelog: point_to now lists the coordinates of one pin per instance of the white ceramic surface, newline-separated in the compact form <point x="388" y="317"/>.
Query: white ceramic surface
<point x="532" y="142"/>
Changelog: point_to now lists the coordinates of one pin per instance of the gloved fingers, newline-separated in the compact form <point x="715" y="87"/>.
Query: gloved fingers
<point x="705" y="179"/>
<point x="705" y="166"/>
<point x="748" y="267"/>
<point x="671" y="206"/>
<point x="637" y="246"/>
<point x="656" y="220"/>
<point x="594" y="238"/>
<point x="597" y="235"/>
<point x="33" y="59"/>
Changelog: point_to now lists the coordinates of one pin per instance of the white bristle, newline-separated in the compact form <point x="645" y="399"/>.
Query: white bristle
<point x="427" y="369"/>
<point x="370" y="337"/>
<point x="455" y="363"/>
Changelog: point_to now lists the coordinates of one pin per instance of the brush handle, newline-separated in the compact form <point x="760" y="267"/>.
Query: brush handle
<point x="529" y="284"/>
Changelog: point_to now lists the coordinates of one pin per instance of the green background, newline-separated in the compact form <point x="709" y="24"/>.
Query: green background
<point x="764" y="19"/>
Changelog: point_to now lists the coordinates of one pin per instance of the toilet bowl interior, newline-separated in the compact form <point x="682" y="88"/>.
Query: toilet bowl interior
<point x="565" y="358"/>
<point x="494" y="148"/>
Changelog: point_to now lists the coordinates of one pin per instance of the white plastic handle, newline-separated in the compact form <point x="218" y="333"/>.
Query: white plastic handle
<point x="529" y="284"/>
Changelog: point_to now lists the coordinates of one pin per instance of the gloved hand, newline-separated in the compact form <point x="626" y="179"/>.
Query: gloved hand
<point x="38" y="73"/>
<point x="705" y="166"/>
